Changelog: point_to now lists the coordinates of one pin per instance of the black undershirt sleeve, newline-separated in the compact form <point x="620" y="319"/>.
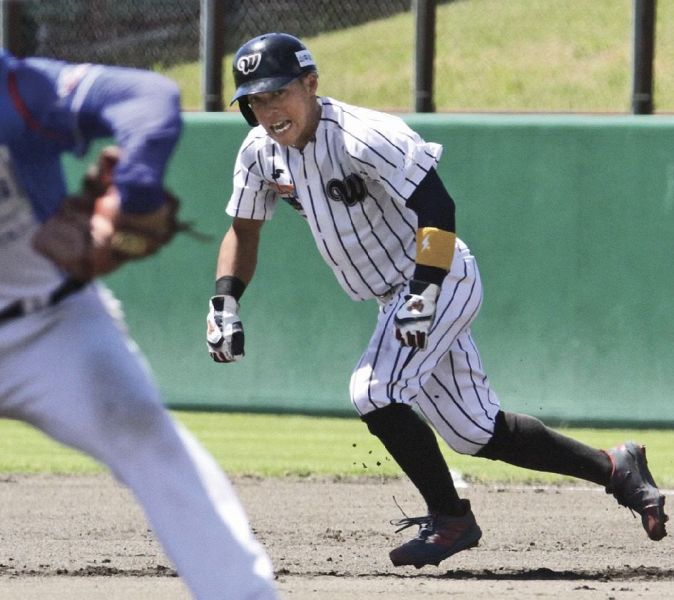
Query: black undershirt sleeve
<point x="433" y="204"/>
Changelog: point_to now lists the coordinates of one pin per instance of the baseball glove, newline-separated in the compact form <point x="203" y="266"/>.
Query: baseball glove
<point x="90" y="236"/>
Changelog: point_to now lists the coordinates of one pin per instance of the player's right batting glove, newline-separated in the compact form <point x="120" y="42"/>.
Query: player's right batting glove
<point x="224" y="332"/>
<point x="414" y="318"/>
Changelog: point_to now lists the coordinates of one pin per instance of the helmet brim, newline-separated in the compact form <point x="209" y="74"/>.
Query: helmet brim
<point x="259" y="86"/>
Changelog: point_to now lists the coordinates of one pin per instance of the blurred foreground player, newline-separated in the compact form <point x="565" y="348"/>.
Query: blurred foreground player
<point x="67" y="366"/>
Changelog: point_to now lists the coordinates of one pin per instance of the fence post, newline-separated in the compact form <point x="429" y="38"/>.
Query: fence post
<point x="644" y="45"/>
<point x="424" y="55"/>
<point x="10" y="26"/>
<point x="212" y="44"/>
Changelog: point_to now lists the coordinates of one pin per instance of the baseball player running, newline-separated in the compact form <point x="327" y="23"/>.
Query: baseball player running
<point x="367" y="186"/>
<point x="66" y="365"/>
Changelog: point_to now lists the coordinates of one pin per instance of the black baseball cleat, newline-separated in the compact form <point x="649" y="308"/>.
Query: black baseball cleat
<point x="632" y="486"/>
<point x="440" y="536"/>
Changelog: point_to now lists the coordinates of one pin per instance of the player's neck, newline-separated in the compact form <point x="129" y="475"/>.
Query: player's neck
<point x="312" y="126"/>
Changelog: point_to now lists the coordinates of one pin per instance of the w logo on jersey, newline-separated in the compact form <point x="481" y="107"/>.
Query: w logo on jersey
<point x="349" y="190"/>
<point x="248" y="64"/>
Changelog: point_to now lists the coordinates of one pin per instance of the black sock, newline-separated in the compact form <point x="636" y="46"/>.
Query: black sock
<point x="524" y="441"/>
<point x="412" y="444"/>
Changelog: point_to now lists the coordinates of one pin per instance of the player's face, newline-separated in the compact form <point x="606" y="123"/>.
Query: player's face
<point x="289" y="115"/>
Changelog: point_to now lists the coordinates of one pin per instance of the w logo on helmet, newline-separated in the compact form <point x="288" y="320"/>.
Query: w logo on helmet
<point x="248" y="64"/>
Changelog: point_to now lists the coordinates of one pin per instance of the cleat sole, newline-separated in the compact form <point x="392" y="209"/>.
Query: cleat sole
<point x="431" y="563"/>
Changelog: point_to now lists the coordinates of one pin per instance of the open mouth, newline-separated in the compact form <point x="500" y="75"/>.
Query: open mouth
<point x="280" y="127"/>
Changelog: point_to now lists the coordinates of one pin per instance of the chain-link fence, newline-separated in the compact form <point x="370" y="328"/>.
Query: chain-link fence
<point x="137" y="33"/>
<point x="157" y="34"/>
<point x="302" y="18"/>
<point x="147" y="33"/>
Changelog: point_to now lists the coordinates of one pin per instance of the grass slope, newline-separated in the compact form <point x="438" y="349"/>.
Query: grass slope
<point x="491" y="55"/>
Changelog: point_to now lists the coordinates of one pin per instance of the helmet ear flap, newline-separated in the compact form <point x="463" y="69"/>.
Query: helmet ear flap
<point x="247" y="111"/>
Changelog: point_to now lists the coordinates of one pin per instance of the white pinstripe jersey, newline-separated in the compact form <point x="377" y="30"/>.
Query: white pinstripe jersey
<point x="350" y="183"/>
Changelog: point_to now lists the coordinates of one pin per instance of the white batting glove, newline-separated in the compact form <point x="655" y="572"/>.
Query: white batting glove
<point x="414" y="318"/>
<point x="224" y="332"/>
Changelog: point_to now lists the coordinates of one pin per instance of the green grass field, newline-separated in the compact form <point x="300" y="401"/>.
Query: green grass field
<point x="491" y="55"/>
<point x="270" y="445"/>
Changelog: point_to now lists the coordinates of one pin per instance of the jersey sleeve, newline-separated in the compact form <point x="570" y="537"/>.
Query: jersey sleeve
<point x="37" y="97"/>
<point x="73" y="104"/>
<point x="251" y="198"/>
<point x="141" y="111"/>
<point x="394" y="155"/>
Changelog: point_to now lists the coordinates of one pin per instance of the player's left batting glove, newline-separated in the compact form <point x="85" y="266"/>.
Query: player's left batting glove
<point x="414" y="318"/>
<point x="224" y="332"/>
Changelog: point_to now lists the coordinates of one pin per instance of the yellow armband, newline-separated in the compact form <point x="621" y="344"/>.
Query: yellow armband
<point x="435" y="247"/>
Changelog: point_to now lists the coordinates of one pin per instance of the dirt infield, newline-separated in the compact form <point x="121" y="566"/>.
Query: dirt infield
<point x="83" y="537"/>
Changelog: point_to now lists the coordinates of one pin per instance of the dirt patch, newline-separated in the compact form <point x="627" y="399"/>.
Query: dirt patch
<point x="84" y="537"/>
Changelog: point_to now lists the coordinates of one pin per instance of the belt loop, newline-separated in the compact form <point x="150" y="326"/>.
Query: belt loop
<point x="33" y="303"/>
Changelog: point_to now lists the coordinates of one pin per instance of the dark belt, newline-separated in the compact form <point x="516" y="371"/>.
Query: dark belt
<point x="20" y="309"/>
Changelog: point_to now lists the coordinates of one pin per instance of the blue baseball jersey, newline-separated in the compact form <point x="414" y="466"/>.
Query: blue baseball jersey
<point x="50" y="107"/>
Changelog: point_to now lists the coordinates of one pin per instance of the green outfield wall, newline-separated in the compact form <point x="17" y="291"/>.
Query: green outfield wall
<point x="571" y="219"/>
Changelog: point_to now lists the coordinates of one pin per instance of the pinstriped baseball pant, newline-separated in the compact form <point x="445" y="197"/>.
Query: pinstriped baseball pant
<point x="446" y="381"/>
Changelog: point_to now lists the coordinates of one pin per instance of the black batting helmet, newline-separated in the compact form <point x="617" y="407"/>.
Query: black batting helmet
<point x="267" y="63"/>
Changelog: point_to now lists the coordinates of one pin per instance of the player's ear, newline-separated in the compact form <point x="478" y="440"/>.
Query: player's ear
<point x="311" y="82"/>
